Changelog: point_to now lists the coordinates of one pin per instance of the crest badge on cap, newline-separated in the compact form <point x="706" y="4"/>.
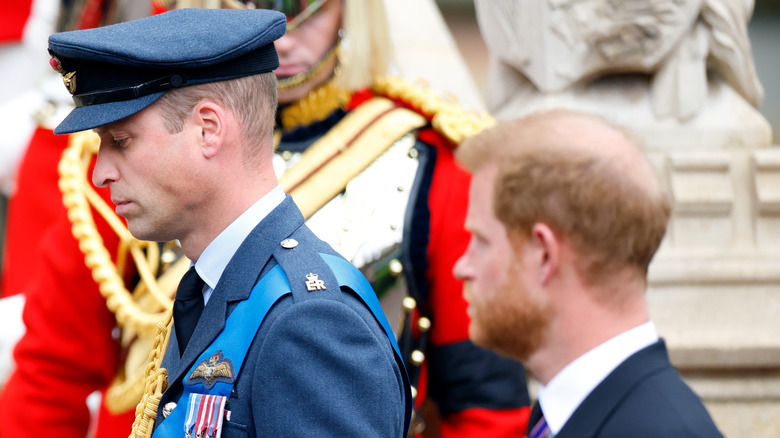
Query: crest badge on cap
<point x="68" y="78"/>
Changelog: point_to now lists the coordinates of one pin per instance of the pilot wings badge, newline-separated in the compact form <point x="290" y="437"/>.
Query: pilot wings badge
<point x="212" y="370"/>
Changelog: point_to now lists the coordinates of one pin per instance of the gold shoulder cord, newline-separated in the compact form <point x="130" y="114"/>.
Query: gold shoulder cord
<point x="144" y="315"/>
<point x="447" y="117"/>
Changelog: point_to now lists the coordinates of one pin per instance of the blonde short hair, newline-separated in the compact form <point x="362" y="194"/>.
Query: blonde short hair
<point x="613" y="215"/>
<point x="251" y="99"/>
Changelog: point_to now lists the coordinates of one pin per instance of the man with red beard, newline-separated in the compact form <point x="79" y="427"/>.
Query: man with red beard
<point x="566" y="214"/>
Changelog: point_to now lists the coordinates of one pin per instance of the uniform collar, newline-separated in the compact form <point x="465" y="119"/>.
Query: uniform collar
<point x="212" y="262"/>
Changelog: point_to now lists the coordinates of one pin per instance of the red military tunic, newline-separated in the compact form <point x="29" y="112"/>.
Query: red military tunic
<point x="69" y="349"/>
<point x="477" y="392"/>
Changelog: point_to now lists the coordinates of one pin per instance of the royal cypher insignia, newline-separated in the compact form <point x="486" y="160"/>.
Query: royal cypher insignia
<point x="314" y="283"/>
<point x="212" y="370"/>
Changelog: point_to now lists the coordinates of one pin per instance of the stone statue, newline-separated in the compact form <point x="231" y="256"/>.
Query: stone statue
<point x="570" y="47"/>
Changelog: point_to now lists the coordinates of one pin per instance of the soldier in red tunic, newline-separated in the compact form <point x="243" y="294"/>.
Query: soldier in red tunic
<point x="369" y="158"/>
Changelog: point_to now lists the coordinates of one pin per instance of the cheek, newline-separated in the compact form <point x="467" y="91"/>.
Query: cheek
<point x="494" y="274"/>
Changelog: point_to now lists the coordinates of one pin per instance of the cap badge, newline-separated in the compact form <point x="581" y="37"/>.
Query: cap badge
<point x="212" y="370"/>
<point x="314" y="283"/>
<point x="69" y="79"/>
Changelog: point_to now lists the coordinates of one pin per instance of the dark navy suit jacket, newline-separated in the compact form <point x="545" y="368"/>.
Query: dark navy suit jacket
<point x="643" y="397"/>
<point x="320" y="364"/>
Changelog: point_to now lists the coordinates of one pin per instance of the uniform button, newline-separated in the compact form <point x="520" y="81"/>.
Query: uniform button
<point x="289" y="243"/>
<point x="168" y="408"/>
<point x="396" y="268"/>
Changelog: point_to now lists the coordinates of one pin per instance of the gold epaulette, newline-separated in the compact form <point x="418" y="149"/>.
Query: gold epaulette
<point x="447" y="117"/>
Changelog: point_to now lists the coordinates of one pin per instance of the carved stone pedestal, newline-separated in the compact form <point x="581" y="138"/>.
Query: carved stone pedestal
<point x="715" y="285"/>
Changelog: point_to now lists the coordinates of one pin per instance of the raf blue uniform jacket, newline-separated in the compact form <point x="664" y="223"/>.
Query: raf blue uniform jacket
<point x="644" y="397"/>
<point x="320" y="364"/>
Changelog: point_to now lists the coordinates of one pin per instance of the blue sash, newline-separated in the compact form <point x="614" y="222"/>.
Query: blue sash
<point x="234" y="340"/>
<point x="242" y="325"/>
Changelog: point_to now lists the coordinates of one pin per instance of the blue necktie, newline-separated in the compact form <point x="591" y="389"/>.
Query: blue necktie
<point x="540" y="429"/>
<point x="187" y="307"/>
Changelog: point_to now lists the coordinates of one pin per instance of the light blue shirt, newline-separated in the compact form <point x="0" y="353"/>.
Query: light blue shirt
<point x="215" y="257"/>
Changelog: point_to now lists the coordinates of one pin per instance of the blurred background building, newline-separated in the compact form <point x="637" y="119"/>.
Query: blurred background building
<point x="764" y="29"/>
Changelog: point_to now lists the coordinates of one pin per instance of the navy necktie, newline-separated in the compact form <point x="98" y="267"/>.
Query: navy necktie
<point x="187" y="307"/>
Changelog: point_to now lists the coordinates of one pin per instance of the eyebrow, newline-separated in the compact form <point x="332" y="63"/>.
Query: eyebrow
<point x="107" y="127"/>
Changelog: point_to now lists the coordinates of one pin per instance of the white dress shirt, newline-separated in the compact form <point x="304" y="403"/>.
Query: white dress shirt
<point x="566" y="391"/>
<point x="215" y="257"/>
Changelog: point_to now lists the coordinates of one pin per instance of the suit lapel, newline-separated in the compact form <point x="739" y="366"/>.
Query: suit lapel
<point x="237" y="281"/>
<point x="602" y="401"/>
<point x="170" y="360"/>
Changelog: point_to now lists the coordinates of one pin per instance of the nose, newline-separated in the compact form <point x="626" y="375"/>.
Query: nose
<point x="284" y="45"/>
<point x="462" y="268"/>
<point x="105" y="172"/>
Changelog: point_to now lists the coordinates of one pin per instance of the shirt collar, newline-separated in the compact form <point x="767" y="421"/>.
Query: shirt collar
<point x="566" y="391"/>
<point x="215" y="257"/>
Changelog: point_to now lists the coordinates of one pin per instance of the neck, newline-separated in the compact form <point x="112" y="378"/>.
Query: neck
<point x="583" y="323"/>
<point x="226" y="202"/>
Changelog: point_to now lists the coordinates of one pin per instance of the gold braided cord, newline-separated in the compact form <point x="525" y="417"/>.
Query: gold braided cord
<point x="315" y="106"/>
<point x="155" y="384"/>
<point x="447" y="117"/>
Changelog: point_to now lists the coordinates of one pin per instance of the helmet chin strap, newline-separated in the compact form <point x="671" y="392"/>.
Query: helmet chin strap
<point x="291" y="82"/>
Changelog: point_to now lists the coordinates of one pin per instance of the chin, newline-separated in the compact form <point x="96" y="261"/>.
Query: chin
<point x="509" y="337"/>
<point x="142" y="232"/>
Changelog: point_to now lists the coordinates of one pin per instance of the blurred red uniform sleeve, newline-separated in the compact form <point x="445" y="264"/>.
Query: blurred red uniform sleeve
<point x="68" y="350"/>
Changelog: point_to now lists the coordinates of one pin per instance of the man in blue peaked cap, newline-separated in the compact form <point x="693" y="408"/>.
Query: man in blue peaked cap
<point x="273" y="333"/>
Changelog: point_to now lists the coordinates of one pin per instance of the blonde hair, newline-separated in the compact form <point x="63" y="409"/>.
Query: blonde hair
<point x="251" y="99"/>
<point x="612" y="210"/>
<point x="364" y="51"/>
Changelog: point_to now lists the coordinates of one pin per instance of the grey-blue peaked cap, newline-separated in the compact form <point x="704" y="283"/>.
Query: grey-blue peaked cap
<point x="116" y="71"/>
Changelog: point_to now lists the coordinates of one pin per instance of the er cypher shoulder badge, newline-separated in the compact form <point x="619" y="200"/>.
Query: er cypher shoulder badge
<point x="314" y="283"/>
<point x="212" y="370"/>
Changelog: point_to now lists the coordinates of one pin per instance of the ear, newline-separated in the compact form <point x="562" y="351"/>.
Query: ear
<point x="546" y="251"/>
<point x="212" y="122"/>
